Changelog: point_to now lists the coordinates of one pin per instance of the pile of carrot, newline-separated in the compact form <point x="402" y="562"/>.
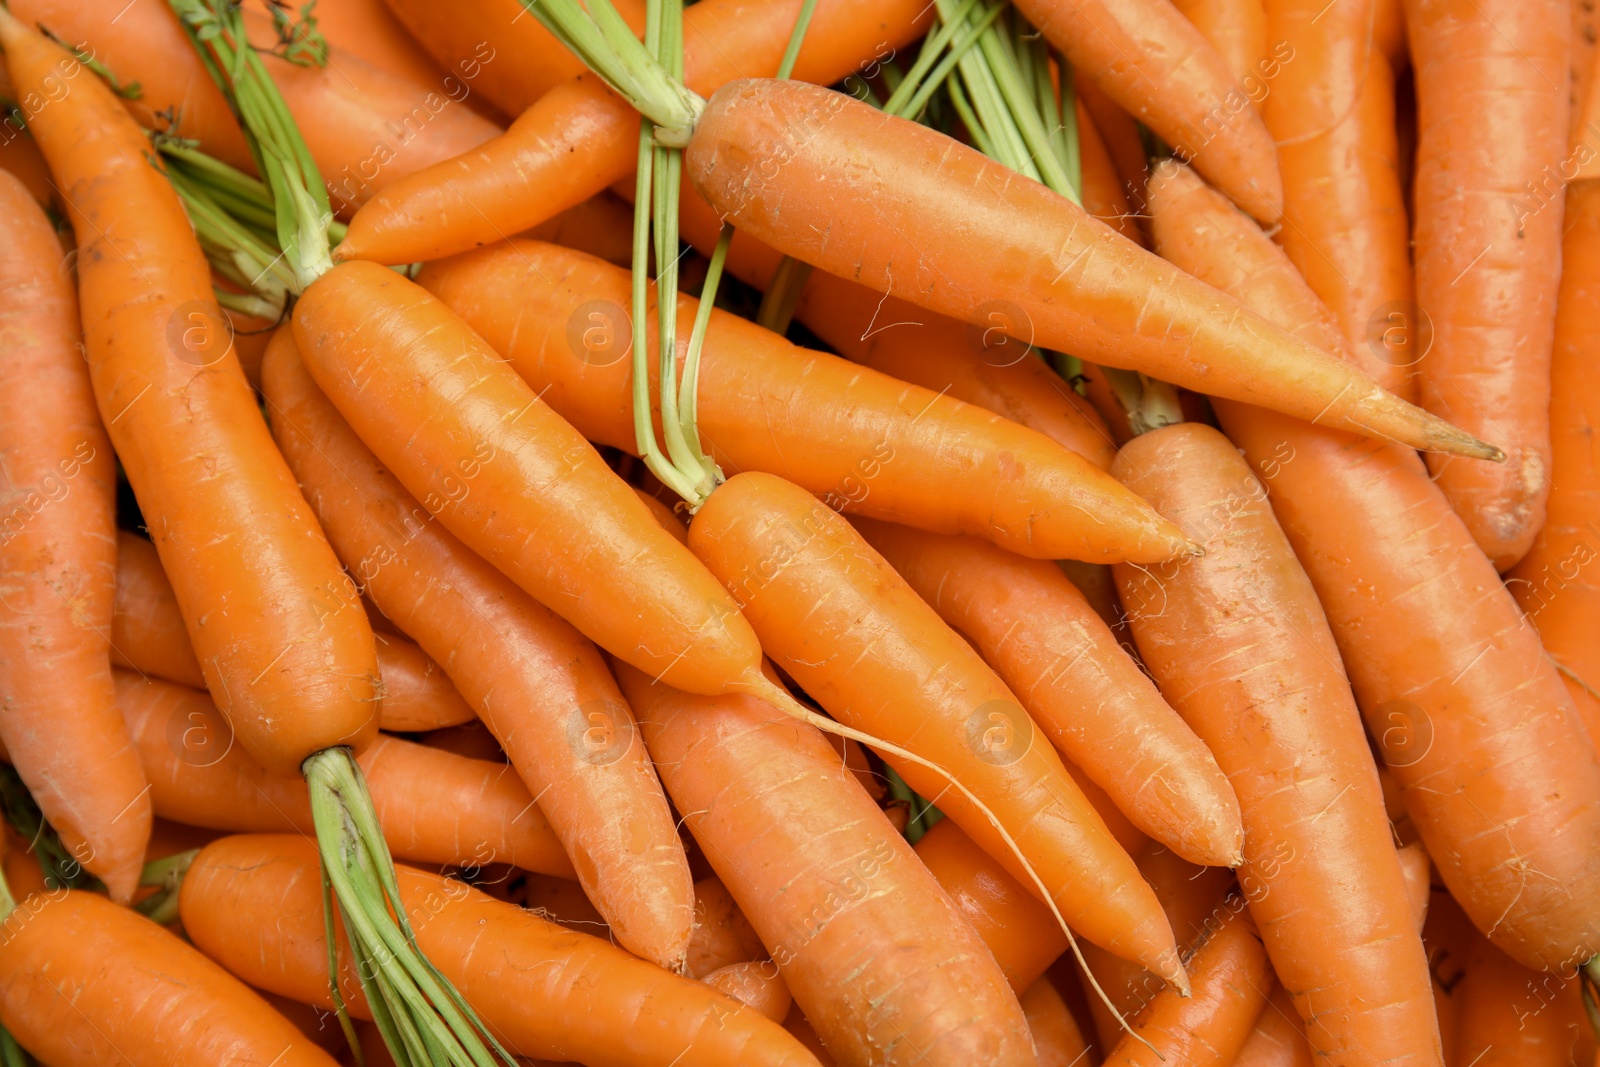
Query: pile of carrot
<point x="860" y="532"/>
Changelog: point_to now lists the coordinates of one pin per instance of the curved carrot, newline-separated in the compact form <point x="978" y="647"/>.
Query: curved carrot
<point x="58" y="713"/>
<point x="1019" y="931"/>
<point x="1331" y="109"/>
<point x="1094" y="704"/>
<point x="1555" y="583"/>
<point x="284" y="644"/>
<point x="417" y="694"/>
<point x="545" y="992"/>
<point x="1488" y="245"/>
<point x="868" y="443"/>
<point x="755" y="984"/>
<point x="1056" y="1035"/>
<point x="434" y="806"/>
<point x="1207" y="1029"/>
<point x="1237" y="29"/>
<point x="540" y="687"/>
<point x="824" y="880"/>
<point x="860" y="641"/>
<point x="579" y="138"/>
<point x="1239" y="645"/>
<point x="1150" y="59"/>
<point x="1077" y="285"/>
<point x="85" y="983"/>
<point x="1451" y="680"/>
<point x="1279" y="1039"/>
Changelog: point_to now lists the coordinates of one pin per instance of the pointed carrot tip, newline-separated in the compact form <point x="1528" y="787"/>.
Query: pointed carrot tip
<point x="1194" y="548"/>
<point x="342" y="251"/>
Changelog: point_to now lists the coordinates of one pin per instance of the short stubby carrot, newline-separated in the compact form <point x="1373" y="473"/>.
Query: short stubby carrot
<point x="834" y="615"/>
<point x="1154" y="62"/>
<point x="58" y="713"/>
<point x="1091" y="699"/>
<point x="433" y="806"/>
<point x="546" y="992"/>
<point x="1488" y="245"/>
<point x="1074" y="283"/>
<point x="284" y="645"/>
<point x="1240" y="647"/>
<point x="541" y="688"/>
<point x="867" y="443"/>
<point x="85" y="983"/>
<point x="579" y="138"/>
<point x="829" y="885"/>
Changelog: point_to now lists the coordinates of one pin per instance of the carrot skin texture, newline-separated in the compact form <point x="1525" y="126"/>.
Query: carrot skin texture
<point x="579" y="138"/>
<point x="283" y="642"/>
<point x="84" y="983"/>
<point x="1443" y="664"/>
<point x="433" y="806"/>
<point x="1331" y="109"/>
<point x="1076" y="284"/>
<point x="1237" y="29"/>
<point x="1492" y="114"/>
<point x="866" y="442"/>
<point x="829" y="885"/>
<point x="541" y="688"/>
<point x="58" y="713"/>
<point x="1555" y="584"/>
<point x="1278" y="1039"/>
<point x="1154" y="62"/>
<point x="1047" y="644"/>
<point x="1241" y="649"/>
<point x="834" y="615"/>
<point x="755" y="984"/>
<point x="547" y="993"/>
<point x="1510" y="1016"/>
<point x="1056" y="1035"/>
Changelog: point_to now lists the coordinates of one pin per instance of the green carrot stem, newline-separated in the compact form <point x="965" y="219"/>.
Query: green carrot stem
<point x="791" y="51"/>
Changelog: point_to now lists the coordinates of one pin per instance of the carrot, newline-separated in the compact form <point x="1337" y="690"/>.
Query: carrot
<point x="417" y="694"/>
<point x="1208" y="1029"/>
<point x="85" y="983"/>
<point x="1240" y="647"/>
<point x="1488" y="246"/>
<point x="1094" y="704"/>
<point x="434" y="806"/>
<point x="838" y="619"/>
<point x="722" y="934"/>
<point x="1389" y="33"/>
<point x="1555" y="583"/>
<point x="1151" y="60"/>
<point x="1509" y="1015"/>
<point x="1331" y="109"/>
<point x="1450" y="679"/>
<point x="1102" y="190"/>
<point x="755" y="984"/>
<point x="543" y="691"/>
<point x="868" y="443"/>
<point x="579" y="138"/>
<point x="828" y="884"/>
<point x="549" y="993"/>
<point x="1418" y="870"/>
<point x="1122" y="139"/>
<point x="58" y="714"/>
<point x="1237" y="29"/>
<point x="1078" y="287"/>
<point x="1279" y="1038"/>
<point x="1055" y="1032"/>
<point x="601" y="226"/>
<point x="20" y="157"/>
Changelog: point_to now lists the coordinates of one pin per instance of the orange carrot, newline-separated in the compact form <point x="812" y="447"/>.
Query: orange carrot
<point x="1510" y="1016"/>
<point x="1150" y="59"/>
<point x="722" y="934"/>
<point x="1279" y="1038"/>
<point x="868" y="443"/>
<point x="755" y="984"/>
<point x="1121" y="136"/>
<point x="546" y="992"/>
<point x="1102" y="190"/>
<point x="1237" y="29"/>
<point x="1094" y="704"/>
<point x="1055" y="1032"/>
<point x="543" y="690"/>
<point x="860" y="641"/>
<point x="85" y="983"/>
<point x="825" y="881"/>
<point x="1488" y="246"/>
<point x="20" y="157"/>
<point x="58" y="713"/>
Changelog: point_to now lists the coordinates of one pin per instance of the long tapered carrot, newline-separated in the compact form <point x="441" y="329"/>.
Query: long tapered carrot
<point x="1237" y="30"/>
<point x="579" y="138"/>
<point x="1331" y="110"/>
<point x="1451" y="680"/>
<point x="1156" y="64"/>
<point x="1240" y="647"/>
<point x="1091" y="700"/>
<point x="434" y="806"/>
<point x="1488" y="245"/>
<point x="540" y="687"/>
<point x="548" y="993"/>
<point x="838" y="619"/>
<point x="147" y="636"/>
<point x="1556" y="583"/>
<point x="890" y="450"/>
<point x="85" y="983"/>
<point x="1076" y="285"/>
<point x="58" y="713"/>
<point x="824" y="880"/>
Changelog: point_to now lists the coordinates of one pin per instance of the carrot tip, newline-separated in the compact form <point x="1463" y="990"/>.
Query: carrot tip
<point x="1194" y="548"/>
